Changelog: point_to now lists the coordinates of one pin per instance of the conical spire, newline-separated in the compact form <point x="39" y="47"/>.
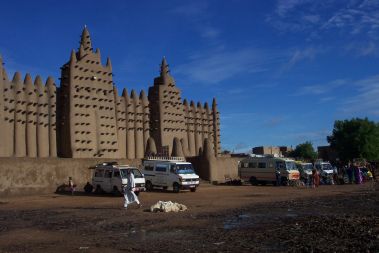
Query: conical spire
<point x="85" y="40"/>
<point x="109" y="63"/>
<point x="38" y="84"/>
<point x="125" y="93"/>
<point x="164" y="67"/>
<point x="50" y="82"/>
<point x="142" y="96"/>
<point x="214" y="104"/>
<point x="73" y="57"/>
<point x="206" y="107"/>
<point x="16" y="77"/>
<point x="1" y="69"/>
<point x="133" y="94"/>
<point x="28" y="81"/>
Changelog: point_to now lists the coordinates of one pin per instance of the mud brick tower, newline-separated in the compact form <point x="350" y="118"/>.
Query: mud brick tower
<point x="88" y="120"/>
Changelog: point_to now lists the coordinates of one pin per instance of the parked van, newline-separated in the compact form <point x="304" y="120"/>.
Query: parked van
<point x="170" y="172"/>
<point x="262" y="170"/>
<point x="325" y="170"/>
<point x="112" y="178"/>
<point x="305" y="170"/>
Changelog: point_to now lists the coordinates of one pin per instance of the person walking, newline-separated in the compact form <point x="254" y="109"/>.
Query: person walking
<point x="71" y="185"/>
<point x="278" y="177"/>
<point x="315" y="178"/>
<point x="129" y="195"/>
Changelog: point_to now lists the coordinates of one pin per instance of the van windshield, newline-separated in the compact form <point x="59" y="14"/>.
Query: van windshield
<point x="183" y="169"/>
<point x="291" y="165"/>
<point x="124" y="173"/>
<point x="327" y="166"/>
<point x="307" y="166"/>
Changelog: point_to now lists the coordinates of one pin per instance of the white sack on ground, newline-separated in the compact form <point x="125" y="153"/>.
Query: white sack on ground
<point x="167" y="206"/>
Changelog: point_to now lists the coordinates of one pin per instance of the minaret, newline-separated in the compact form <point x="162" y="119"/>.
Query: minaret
<point x="52" y="101"/>
<point x="9" y="116"/>
<point x="89" y="105"/>
<point x="31" y="117"/>
<point x="43" y="149"/>
<point x="166" y="111"/>
<point x="120" y="119"/>
<point x="20" y="117"/>
<point x="2" y="112"/>
<point x="85" y="40"/>
<point x="216" y="128"/>
<point x="146" y="118"/>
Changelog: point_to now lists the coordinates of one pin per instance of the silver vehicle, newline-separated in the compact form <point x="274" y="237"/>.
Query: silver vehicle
<point x="325" y="170"/>
<point x="172" y="172"/>
<point x="265" y="169"/>
<point x="112" y="178"/>
<point x="305" y="170"/>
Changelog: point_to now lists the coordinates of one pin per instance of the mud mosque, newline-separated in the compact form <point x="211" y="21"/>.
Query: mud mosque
<point x="86" y="118"/>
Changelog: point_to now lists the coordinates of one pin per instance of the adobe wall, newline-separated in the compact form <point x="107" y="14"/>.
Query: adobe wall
<point x="28" y="176"/>
<point x="216" y="169"/>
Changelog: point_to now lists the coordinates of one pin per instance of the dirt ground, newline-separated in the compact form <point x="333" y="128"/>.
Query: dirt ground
<point x="245" y="218"/>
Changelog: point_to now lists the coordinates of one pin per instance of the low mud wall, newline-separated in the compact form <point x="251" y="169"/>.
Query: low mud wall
<point x="216" y="170"/>
<point x="28" y="176"/>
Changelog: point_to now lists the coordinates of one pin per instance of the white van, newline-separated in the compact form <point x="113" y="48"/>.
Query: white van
<point x="262" y="170"/>
<point x="170" y="172"/>
<point x="325" y="170"/>
<point x="112" y="178"/>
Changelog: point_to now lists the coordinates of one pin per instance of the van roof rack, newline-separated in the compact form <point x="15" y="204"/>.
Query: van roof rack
<point x="166" y="158"/>
<point x="109" y="163"/>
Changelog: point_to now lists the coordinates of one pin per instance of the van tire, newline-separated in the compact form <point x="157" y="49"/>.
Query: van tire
<point x="284" y="181"/>
<point x="253" y="181"/>
<point x="193" y="189"/>
<point x="115" y="191"/>
<point x="98" y="189"/>
<point x="149" y="186"/>
<point x="175" y="187"/>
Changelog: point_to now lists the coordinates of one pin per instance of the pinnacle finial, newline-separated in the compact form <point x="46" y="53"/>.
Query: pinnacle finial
<point x="85" y="40"/>
<point x="214" y="104"/>
<point x="164" y="67"/>
<point x="73" y="56"/>
<point x="109" y="63"/>
<point x="16" y="77"/>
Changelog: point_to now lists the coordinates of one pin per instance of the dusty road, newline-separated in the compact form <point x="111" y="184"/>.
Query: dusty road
<point x="219" y="219"/>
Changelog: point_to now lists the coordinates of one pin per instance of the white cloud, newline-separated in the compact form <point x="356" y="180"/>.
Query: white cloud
<point x="366" y="100"/>
<point x="300" y="55"/>
<point x="357" y="18"/>
<point x="363" y="48"/>
<point x="216" y="66"/>
<point x="321" y="89"/>
<point x="198" y="14"/>
<point x="285" y="6"/>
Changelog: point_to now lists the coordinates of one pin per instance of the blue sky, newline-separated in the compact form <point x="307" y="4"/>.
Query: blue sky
<point x="282" y="71"/>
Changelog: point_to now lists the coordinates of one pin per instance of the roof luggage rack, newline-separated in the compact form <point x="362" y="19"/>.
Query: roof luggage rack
<point x="166" y="158"/>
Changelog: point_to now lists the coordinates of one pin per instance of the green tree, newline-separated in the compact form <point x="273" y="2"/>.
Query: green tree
<point x="304" y="151"/>
<point x="355" y="138"/>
